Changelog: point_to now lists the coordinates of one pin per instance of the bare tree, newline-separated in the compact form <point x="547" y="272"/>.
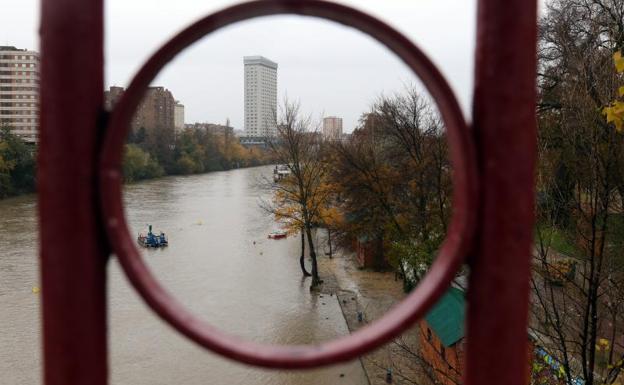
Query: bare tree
<point x="576" y="312"/>
<point x="299" y="196"/>
<point x="394" y="178"/>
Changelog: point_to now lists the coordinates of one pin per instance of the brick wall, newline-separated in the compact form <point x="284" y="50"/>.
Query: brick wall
<point x="446" y="362"/>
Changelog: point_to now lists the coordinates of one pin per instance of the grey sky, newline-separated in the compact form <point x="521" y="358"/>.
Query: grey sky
<point x="330" y="69"/>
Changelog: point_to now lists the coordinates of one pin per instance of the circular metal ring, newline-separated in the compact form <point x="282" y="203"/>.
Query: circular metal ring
<point x="403" y="315"/>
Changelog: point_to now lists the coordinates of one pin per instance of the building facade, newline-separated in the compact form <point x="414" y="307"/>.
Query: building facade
<point x="370" y="253"/>
<point x="332" y="128"/>
<point x="260" y="97"/>
<point x="19" y="92"/>
<point x="156" y="111"/>
<point x="178" y="117"/>
<point x="112" y="96"/>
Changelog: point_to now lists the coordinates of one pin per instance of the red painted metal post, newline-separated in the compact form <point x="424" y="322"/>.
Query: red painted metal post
<point x="73" y="252"/>
<point x="505" y="129"/>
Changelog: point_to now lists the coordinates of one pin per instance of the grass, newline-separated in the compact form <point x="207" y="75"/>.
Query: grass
<point x="558" y="240"/>
<point x="564" y="244"/>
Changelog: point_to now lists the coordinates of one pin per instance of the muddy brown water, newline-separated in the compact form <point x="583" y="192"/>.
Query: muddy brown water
<point x="212" y="266"/>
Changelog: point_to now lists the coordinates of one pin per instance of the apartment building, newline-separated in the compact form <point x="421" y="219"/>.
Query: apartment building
<point x="19" y="92"/>
<point x="156" y="111"/>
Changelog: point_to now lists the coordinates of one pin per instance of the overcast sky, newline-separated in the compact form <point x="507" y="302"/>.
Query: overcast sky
<point x="330" y="69"/>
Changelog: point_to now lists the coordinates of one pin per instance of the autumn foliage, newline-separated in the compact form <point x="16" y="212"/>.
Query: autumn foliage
<point x="615" y="111"/>
<point x="388" y="185"/>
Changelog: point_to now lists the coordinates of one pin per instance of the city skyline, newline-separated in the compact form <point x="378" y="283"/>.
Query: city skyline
<point x="329" y="69"/>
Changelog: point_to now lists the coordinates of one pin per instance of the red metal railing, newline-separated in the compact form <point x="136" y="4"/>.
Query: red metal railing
<point x="80" y="194"/>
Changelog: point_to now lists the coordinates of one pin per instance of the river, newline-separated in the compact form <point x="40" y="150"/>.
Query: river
<point x="219" y="263"/>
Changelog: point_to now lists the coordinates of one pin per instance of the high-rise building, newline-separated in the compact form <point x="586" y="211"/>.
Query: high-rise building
<point x="260" y="96"/>
<point x="156" y="111"/>
<point x="19" y="92"/>
<point x="178" y="117"/>
<point x="332" y="128"/>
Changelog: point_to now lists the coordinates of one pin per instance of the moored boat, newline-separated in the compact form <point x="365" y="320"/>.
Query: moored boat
<point x="280" y="172"/>
<point x="149" y="239"/>
<point x="277" y="235"/>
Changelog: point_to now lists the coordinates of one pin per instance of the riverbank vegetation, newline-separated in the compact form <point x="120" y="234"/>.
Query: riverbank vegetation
<point x="17" y="165"/>
<point x="392" y="184"/>
<point x="148" y="154"/>
<point x="387" y="187"/>
<point x="154" y="153"/>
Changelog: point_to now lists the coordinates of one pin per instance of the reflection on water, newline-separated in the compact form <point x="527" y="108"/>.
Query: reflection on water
<point x="219" y="264"/>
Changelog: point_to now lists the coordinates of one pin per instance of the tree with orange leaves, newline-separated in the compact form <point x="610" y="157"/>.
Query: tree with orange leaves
<point x="298" y="197"/>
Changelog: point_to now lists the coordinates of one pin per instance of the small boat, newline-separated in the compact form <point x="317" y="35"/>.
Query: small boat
<point x="277" y="235"/>
<point x="149" y="239"/>
<point x="280" y="172"/>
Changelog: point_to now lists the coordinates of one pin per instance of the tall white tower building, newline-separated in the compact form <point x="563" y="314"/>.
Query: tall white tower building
<point x="19" y="92"/>
<point x="260" y="96"/>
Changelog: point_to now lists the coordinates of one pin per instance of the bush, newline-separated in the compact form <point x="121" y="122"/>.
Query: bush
<point x="139" y="165"/>
<point x="17" y="165"/>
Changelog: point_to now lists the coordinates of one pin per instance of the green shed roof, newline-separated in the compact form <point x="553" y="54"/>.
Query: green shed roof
<point x="446" y="318"/>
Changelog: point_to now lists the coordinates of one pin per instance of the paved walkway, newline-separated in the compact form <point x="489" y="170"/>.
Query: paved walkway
<point x="371" y="293"/>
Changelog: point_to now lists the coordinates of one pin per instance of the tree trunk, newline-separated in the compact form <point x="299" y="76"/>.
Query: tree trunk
<point x="379" y="252"/>
<point x="302" y="257"/>
<point x="315" y="276"/>
<point x="329" y="242"/>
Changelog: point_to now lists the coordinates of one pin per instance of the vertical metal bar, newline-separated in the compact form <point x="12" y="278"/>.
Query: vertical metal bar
<point x="505" y="129"/>
<point x="73" y="252"/>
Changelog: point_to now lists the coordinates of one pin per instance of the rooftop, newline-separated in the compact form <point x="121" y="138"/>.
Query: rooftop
<point x="13" y="49"/>
<point x="446" y="318"/>
<point x="250" y="60"/>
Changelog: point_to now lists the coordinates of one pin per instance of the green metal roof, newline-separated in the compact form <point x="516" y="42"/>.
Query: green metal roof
<point x="446" y="318"/>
